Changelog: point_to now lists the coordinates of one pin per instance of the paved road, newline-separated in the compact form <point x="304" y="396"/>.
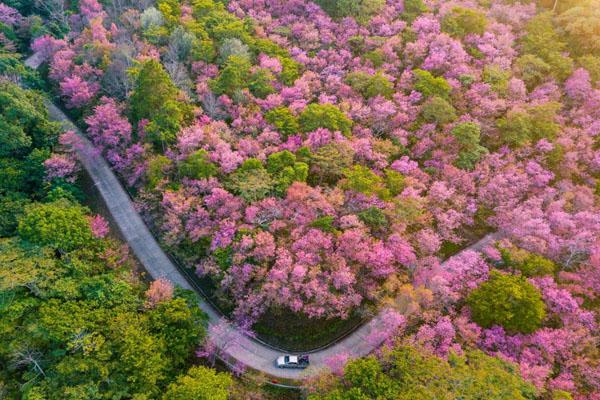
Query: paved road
<point x="236" y="346"/>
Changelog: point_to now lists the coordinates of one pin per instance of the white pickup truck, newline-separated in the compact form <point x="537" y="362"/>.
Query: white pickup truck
<point x="289" y="361"/>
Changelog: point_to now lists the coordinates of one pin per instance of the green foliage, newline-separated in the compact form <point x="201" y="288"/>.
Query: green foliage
<point x="394" y="181"/>
<point x="412" y="9"/>
<point x="509" y="301"/>
<point x="153" y="89"/>
<point x="157" y="170"/>
<point x="200" y="383"/>
<point x="12" y="206"/>
<point x="468" y="135"/>
<point x="439" y="111"/>
<point x="407" y="373"/>
<point x="290" y="70"/>
<point x="166" y="122"/>
<point x="250" y="181"/>
<point x="370" y="85"/>
<point x="85" y="325"/>
<point x="24" y="123"/>
<point x="361" y="179"/>
<point x="360" y="10"/>
<point x="497" y="78"/>
<point x="324" y="223"/>
<point x="233" y="77"/>
<point x="223" y="256"/>
<point x="285" y="170"/>
<point x="519" y="128"/>
<point x="12" y="66"/>
<point x="376" y="57"/>
<point x="60" y="224"/>
<point x="543" y="50"/>
<point x="430" y="85"/>
<point x="324" y="116"/>
<point x="283" y="120"/>
<point x="461" y="22"/>
<point x="592" y="65"/>
<point x="198" y="166"/>
<point x="561" y="395"/>
<point x="154" y="99"/>
<point x="529" y="264"/>
<point x="581" y="27"/>
<point x="328" y="163"/>
<point x="374" y="218"/>
<point x="533" y="70"/>
<point x="261" y="83"/>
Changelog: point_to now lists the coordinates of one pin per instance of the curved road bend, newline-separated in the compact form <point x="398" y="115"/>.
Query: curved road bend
<point x="236" y="346"/>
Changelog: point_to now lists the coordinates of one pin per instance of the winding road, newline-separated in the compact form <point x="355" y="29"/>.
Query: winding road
<point x="235" y="347"/>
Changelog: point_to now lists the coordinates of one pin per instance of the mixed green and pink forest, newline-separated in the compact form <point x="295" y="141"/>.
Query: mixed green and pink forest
<point x="308" y="161"/>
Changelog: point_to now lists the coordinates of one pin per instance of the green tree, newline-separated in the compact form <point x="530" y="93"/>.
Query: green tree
<point x="324" y="116"/>
<point x="374" y="218"/>
<point x="439" y="111"/>
<point x="324" y="223"/>
<point x="461" y="22"/>
<point x="328" y="163"/>
<point x="158" y="168"/>
<point x="60" y="224"/>
<point x="234" y="76"/>
<point x="283" y="120"/>
<point x="198" y="166"/>
<point x="250" y="181"/>
<point x="12" y="206"/>
<point x="84" y="322"/>
<point x="529" y="264"/>
<point x="200" y="383"/>
<point x="363" y="180"/>
<point x="407" y="373"/>
<point x="154" y="99"/>
<point x="261" y="83"/>
<point x="468" y="136"/>
<point x="581" y="24"/>
<point x="370" y="85"/>
<point x="285" y="170"/>
<point x="412" y="9"/>
<point x="519" y="128"/>
<point x="430" y="85"/>
<point x="24" y="123"/>
<point x="509" y="301"/>
<point x="546" y="45"/>
<point x="361" y="10"/>
<point x="394" y="182"/>
<point x="152" y="90"/>
<point x="533" y="70"/>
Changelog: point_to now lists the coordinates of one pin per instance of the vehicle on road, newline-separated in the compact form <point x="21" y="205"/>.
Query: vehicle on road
<point x="290" y="361"/>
